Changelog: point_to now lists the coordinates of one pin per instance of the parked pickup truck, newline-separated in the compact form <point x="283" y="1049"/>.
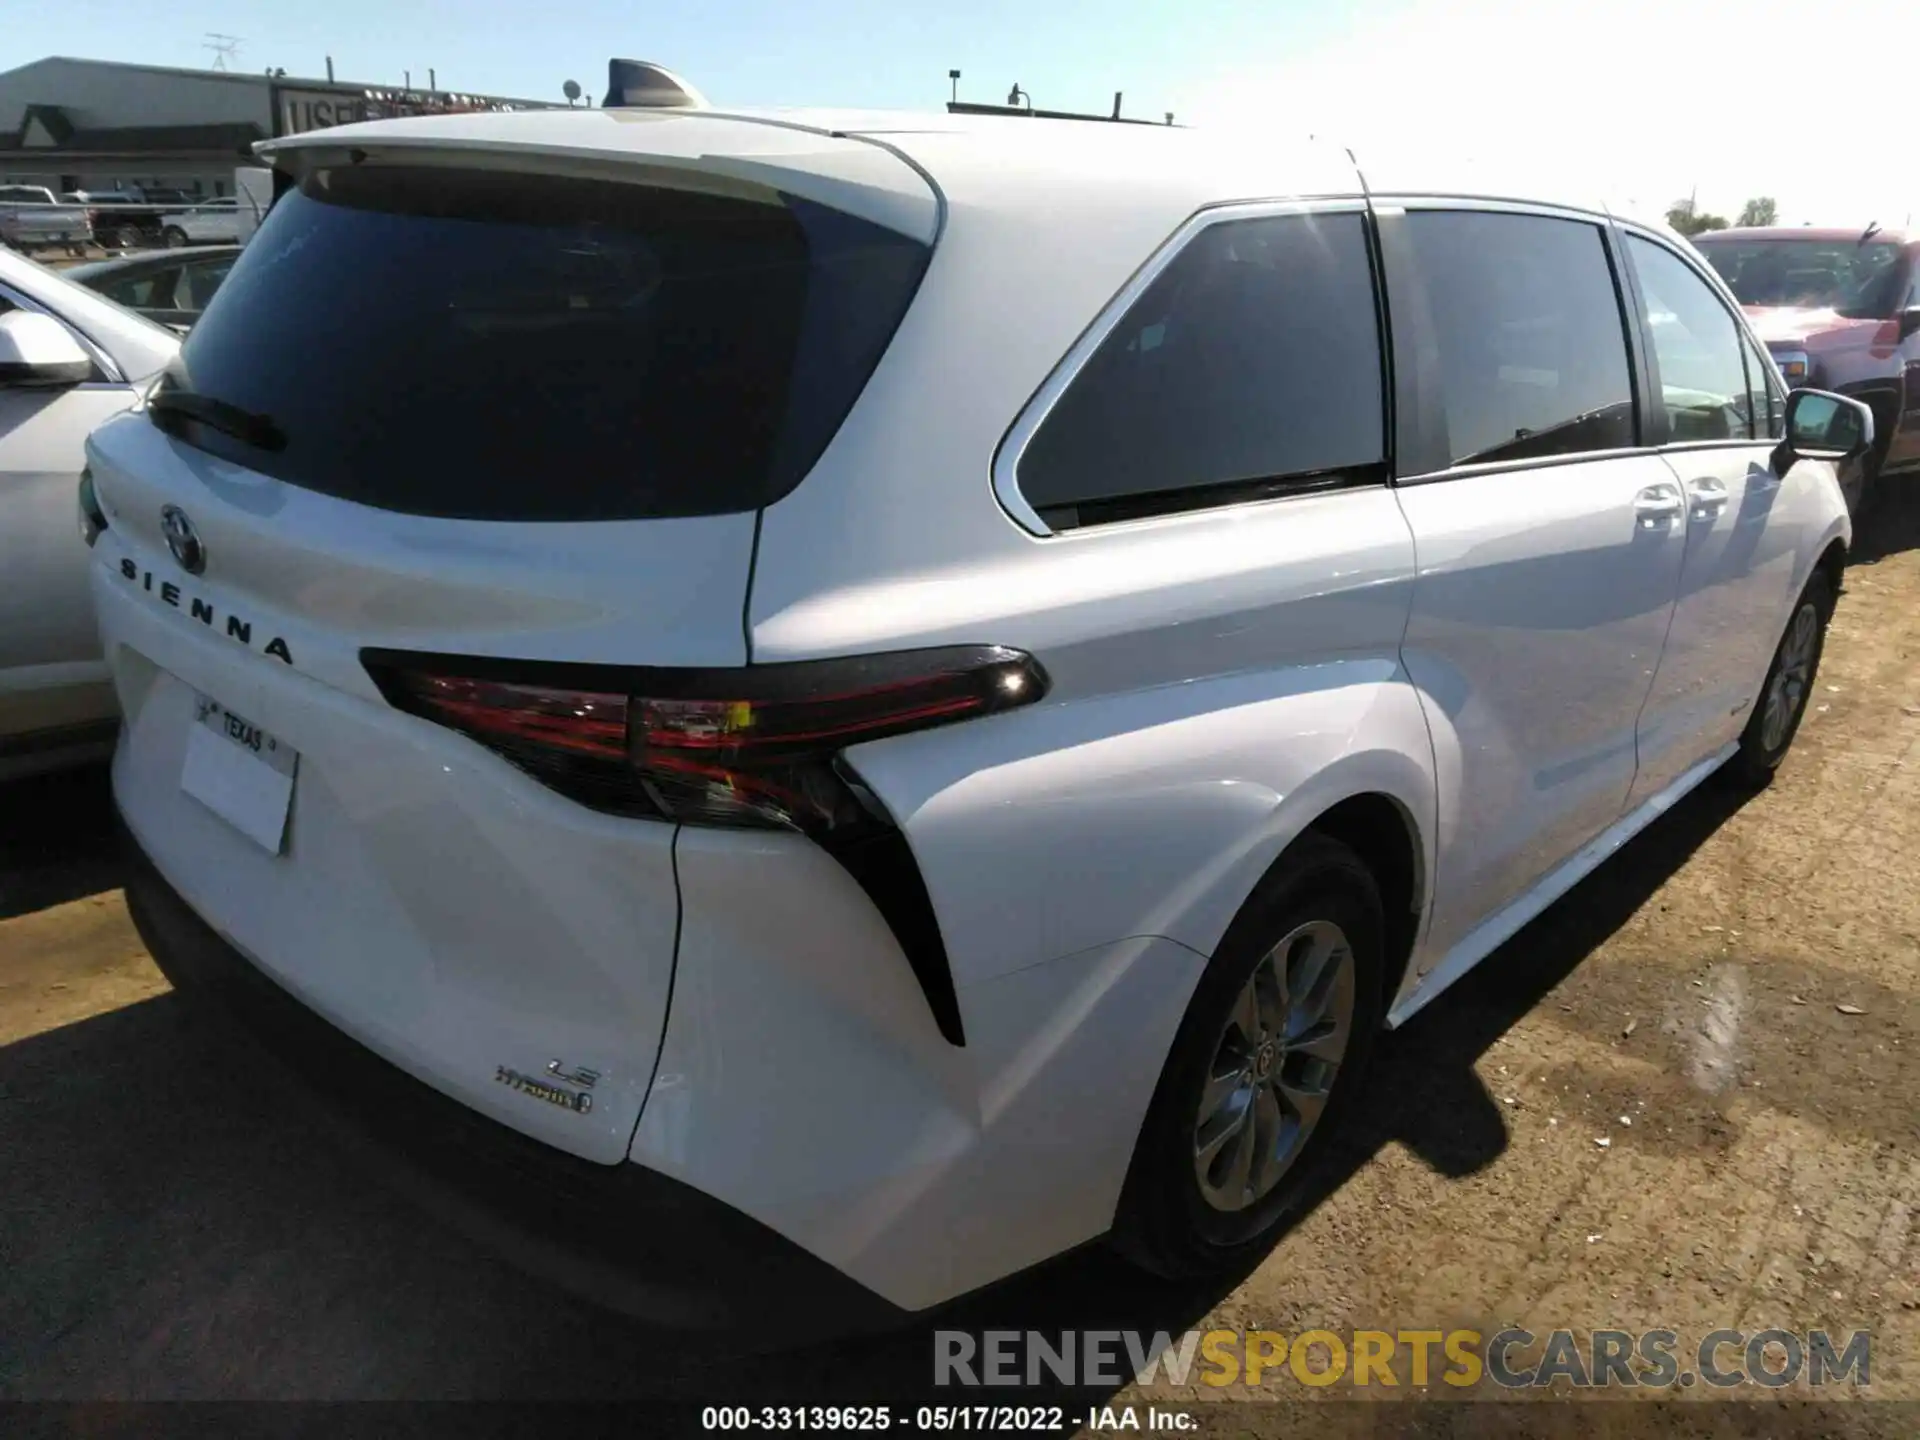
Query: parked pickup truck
<point x="31" y="219"/>
<point x="1840" y="310"/>
<point x="130" y="218"/>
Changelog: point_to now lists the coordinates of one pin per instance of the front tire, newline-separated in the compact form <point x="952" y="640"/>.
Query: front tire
<point x="1788" y="687"/>
<point x="1266" y="1062"/>
<point x="174" y="237"/>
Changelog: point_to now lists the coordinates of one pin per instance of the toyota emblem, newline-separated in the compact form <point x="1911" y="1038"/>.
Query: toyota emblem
<point x="182" y="540"/>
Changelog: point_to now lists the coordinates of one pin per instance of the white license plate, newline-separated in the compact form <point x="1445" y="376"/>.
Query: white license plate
<point x="240" y="772"/>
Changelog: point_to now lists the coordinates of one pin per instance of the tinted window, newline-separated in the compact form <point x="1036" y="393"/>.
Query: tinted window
<point x="1250" y="365"/>
<point x="1862" y="280"/>
<point x="199" y="280"/>
<point x="518" y="346"/>
<point x="1532" y="347"/>
<point x="143" y="290"/>
<point x="1696" y="348"/>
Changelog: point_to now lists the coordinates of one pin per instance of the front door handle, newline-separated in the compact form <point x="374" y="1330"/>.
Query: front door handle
<point x="1709" y="499"/>
<point x="1657" y="504"/>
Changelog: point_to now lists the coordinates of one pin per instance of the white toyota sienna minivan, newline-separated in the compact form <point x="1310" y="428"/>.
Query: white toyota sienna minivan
<point x="840" y="704"/>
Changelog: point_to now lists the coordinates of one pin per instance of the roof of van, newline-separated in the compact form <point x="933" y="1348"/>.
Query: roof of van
<point x="973" y="157"/>
<point x="968" y="149"/>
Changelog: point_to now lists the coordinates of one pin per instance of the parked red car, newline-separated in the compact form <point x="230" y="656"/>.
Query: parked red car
<point x="1840" y="310"/>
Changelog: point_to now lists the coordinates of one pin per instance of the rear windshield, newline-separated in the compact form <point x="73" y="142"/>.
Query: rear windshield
<point x="1857" y="279"/>
<point x="516" y="346"/>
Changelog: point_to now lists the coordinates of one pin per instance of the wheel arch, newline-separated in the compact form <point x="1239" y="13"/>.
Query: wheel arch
<point x="1833" y="560"/>
<point x="1884" y="398"/>
<point x="1379" y="804"/>
<point x="1384" y="834"/>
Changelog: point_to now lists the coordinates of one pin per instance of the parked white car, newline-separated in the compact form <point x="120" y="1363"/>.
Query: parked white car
<point x="68" y="360"/>
<point x="210" y="222"/>
<point x="868" y="699"/>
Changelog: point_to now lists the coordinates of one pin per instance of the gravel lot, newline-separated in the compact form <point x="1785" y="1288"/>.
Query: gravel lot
<point x="171" y="1226"/>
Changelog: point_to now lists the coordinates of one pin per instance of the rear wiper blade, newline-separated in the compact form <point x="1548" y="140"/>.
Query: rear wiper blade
<point x="1867" y="234"/>
<point x="257" y="430"/>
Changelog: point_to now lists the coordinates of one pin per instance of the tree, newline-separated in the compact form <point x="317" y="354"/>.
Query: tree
<point x="1759" y="211"/>
<point x="1685" y="217"/>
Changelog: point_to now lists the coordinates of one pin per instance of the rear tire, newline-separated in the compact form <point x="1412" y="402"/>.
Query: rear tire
<point x="173" y="237"/>
<point x="1788" y="688"/>
<point x="1282" y="1024"/>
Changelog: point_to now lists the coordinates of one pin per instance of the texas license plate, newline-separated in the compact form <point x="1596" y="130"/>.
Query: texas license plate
<point x="240" y="772"/>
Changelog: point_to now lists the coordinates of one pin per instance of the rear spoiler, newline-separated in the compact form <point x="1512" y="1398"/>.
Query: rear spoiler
<point x="700" y="148"/>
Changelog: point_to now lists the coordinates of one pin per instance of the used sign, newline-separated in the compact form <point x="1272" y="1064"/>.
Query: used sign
<point x="302" y="110"/>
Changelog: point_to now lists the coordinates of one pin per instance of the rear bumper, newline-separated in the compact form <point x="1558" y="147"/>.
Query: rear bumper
<point x="622" y="1235"/>
<point x="758" y="1035"/>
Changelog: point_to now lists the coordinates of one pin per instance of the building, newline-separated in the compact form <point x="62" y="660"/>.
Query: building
<point x="103" y="125"/>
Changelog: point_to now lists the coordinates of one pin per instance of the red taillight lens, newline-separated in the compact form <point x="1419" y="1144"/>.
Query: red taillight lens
<point x="754" y="746"/>
<point x="579" y="722"/>
<point x="757" y="746"/>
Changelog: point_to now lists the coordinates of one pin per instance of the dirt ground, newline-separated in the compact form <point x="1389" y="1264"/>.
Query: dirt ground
<point x="1683" y="1098"/>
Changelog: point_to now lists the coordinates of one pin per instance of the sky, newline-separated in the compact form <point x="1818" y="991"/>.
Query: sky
<point x="1646" y="101"/>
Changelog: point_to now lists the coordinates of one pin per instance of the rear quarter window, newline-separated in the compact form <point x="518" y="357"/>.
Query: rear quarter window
<point x="1249" y="366"/>
<point x="521" y="346"/>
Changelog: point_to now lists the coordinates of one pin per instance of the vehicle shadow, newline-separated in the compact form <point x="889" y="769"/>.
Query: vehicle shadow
<point x="1891" y="524"/>
<point x="56" y="840"/>
<point x="177" y="1228"/>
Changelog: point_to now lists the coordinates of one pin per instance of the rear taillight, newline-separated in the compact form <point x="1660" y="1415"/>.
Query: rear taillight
<point x="759" y="746"/>
<point x="755" y="746"/>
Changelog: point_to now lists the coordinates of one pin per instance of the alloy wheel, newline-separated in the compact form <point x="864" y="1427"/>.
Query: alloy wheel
<point x="1791" y="678"/>
<point x="1274" y="1066"/>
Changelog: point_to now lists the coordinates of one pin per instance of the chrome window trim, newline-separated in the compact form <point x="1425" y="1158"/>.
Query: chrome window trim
<point x="109" y="367"/>
<point x="1764" y="443"/>
<point x="1537" y="462"/>
<point x="1439" y="201"/>
<point x="1006" y="459"/>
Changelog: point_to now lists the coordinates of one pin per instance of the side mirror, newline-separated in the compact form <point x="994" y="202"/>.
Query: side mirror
<point x="37" y="351"/>
<point x="1909" y="321"/>
<point x="1823" y="426"/>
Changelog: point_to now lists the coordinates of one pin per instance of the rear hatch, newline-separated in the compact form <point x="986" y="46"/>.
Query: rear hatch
<point x="511" y="401"/>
